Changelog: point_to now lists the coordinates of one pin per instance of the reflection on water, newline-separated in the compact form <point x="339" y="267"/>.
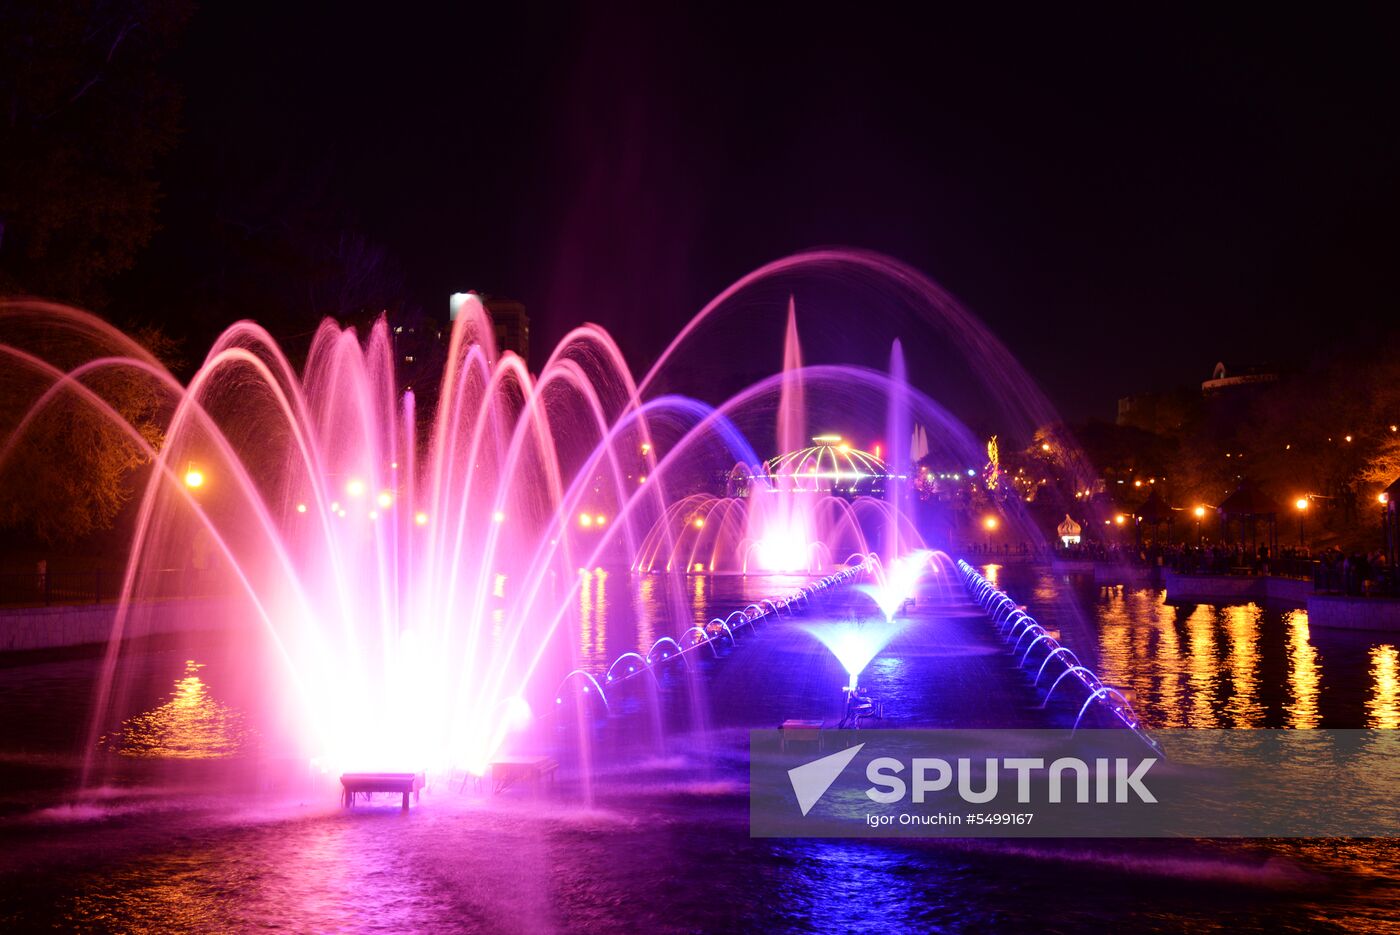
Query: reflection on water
<point x="1244" y="665"/>
<point x="1305" y="673"/>
<point x="1204" y="664"/>
<point x="190" y="726"/>
<point x="1243" y="708"/>
<point x="1383" y="707"/>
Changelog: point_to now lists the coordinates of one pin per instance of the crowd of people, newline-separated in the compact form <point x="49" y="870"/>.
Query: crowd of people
<point x="1331" y="570"/>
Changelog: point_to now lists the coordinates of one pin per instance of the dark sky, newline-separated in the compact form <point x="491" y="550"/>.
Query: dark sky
<point x="1123" y="200"/>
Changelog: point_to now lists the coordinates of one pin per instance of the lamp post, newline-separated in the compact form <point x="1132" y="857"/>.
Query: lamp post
<point x="990" y="524"/>
<point x="1302" y="506"/>
<point x="1200" y="513"/>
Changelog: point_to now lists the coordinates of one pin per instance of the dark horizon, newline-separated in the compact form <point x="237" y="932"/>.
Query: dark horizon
<point x="1131" y="199"/>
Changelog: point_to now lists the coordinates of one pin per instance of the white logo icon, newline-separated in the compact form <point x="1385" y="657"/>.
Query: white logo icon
<point x="811" y="780"/>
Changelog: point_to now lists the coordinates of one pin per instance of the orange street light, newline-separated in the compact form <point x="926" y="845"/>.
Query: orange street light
<point x="194" y="477"/>
<point x="990" y="522"/>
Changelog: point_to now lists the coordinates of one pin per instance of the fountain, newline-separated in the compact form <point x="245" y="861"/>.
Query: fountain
<point x="894" y="584"/>
<point x="406" y="585"/>
<point x="855" y="643"/>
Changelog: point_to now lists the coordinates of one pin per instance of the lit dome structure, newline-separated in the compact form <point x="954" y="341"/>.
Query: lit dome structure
<point x="830" y="465"/>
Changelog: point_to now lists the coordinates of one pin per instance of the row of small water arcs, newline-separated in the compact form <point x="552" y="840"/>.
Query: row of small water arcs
<point x="1019" y="629"/>
<point x="635" y="664"/>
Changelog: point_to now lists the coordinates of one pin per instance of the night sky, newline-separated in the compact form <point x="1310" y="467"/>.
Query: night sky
<point x="1124" y="201"/>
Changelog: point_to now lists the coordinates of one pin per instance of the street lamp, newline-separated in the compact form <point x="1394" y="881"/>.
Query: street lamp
<point x="1302" y="505"/>
<point x="194" y="477"/>
<point x="1200" y="513"/>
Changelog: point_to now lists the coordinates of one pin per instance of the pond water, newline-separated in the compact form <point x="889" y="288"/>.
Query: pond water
<point x="658" y="841"/>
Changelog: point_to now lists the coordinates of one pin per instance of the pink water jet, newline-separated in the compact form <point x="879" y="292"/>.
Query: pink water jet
<point x="405" y="582"/>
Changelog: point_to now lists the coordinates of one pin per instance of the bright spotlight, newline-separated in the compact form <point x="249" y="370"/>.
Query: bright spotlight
<point x="420" y="518"/>
<point x="498" y="517"/>
<point x="301" y="507"/>
<point x="385" y="499"/>
<point x="1120" y="519"/>
<point x="1301" y="503"/>
<point x="355" y="487"/>
<point x="585" y="520"/>
<point x="194" y="478"/>
<point x="990" y="522"/>
<point x="1199" y="511"/>
<point x="699" y="523"/>
<point x="600" y="520"/>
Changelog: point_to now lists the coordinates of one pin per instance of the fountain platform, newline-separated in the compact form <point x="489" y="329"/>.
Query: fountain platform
<point x="353" y="784"/>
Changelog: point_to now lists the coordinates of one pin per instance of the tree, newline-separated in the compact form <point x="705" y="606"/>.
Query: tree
<point x="70" y="474"/>
<point x="86" y="113"/>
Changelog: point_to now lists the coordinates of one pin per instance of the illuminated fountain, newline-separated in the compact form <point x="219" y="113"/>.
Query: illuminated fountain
<point x="800" y="512"/>
<point x="403" y="581"/>
<point x="798" y="515"/>
<point x="855" y="643"/>
<point x="896" y="582"/>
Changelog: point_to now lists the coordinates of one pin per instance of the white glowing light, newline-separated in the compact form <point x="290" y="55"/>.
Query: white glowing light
<point x="455" y="303"/>
<point x="782" y="552"/>
<point x="855" y="644"/>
